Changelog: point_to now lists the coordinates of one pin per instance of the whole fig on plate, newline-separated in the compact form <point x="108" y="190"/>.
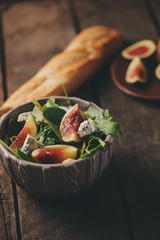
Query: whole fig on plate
<point x="136" y="71"/>
<point x="143" y="49"/>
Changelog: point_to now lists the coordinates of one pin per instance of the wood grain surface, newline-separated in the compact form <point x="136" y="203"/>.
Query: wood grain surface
<point x="124" y="203"/>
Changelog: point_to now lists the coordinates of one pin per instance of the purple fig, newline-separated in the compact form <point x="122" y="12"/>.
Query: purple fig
<point x="30" y="127"/>
<point x="70" y="124"/>
<point x="54" y="154"/>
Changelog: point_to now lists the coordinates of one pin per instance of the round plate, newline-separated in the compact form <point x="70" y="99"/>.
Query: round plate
<point x="149" y="90"/>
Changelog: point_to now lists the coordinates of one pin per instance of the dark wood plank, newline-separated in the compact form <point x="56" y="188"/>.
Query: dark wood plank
<point x="81" y="225"/>
<point x="82" y="219"/>
<point x="29" y="44"/>
<point x="42" y="37"/>
<point x="154" y="9"/>
<point x="137" y="156"/>
<point x="32" y="41"/>
<point x="8" y="228"/>
<point x="127" y="16"/>
<point x="3" y="91"/>
<point x="1" y="88"/>
<point x="123" y="204"/>
<point x="137" y="160"/>
<point x="2" y="223"/>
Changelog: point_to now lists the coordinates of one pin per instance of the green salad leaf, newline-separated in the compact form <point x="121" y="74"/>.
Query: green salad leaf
<point x="48" y="119"/>
<point x="13" y="127"/>
<point x="18" y="153"/>
<point x="51" y="103"/>
<point x="36" y="103"/>
<point x="66" y="94"/>
<point x="93" y="144"/>
<point x="109" y="127"/>
<point x="23" y="155"/>
<point x="54" y="114"/>
<point x="103" y="121"/>
<point x="93" y="112"/>
<point x="47" y="136"/>
<point x="51" y="124"/>
<point x="106" y="114"/>
<point x="37" y="114"/>
<point x="55" y="130"/>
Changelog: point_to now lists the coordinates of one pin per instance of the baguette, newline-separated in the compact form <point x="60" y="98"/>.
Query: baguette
<point x="79" y="60"/>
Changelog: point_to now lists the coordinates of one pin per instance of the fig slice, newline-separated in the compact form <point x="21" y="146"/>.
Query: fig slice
<point x="143" y="49"/>
<point x="70" y="124"/>
<point x="136" y="71"/>
<point x="30" y="127"/>
<point x="157" y="71"/>
<point x="54" y="154"/>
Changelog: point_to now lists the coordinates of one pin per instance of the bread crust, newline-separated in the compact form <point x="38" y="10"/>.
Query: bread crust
<point x="80" y="59"/>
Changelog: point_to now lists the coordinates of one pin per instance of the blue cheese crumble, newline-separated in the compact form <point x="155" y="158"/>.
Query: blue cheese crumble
<point x="30" y="144"/>
<point x="23" y="117"/>
<point x="86" y="128"/>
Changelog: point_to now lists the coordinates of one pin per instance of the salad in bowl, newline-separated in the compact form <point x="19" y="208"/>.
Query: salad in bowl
<point x="53" y="133"/>
<point x="56" y="147"/>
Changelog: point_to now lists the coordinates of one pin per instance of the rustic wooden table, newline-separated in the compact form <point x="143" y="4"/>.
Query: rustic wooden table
<point x="125" y="202"/>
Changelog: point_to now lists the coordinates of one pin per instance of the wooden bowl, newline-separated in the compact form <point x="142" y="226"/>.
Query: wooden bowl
<point x="54" y="180"/>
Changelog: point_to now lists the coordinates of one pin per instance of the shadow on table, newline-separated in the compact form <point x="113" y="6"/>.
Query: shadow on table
<point x="124" y="202"/>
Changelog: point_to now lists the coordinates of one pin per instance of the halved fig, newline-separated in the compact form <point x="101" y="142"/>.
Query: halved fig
<point x="54" y="154"/>
<point x="70" y="124"/>
<point x="158" y="51"/>
<point x="30" y="127"/>
<point x="143" y="49"/>
<point x="157" y="71"/>
<point x="136" y="71"/>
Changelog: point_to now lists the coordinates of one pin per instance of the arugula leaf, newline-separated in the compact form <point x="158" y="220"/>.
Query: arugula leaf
<point x="52" y="125"/>
<point x="106" y="114"/>
<point x="18" y="153"/>
<point x="54" y="114"/>
<point x="94" y="143"/>
<point x="8" y="148"/>
<point x="102" y="120"/>
<point x="55" y="129"/>
<point x="83" y="148"/>
<point x="93" y="112"/>
<point x="47" y="136"/>
<point x="49" y="141"/>
<point x="93" y="140"/>
<point x="51" y="103"/>
<point x="37" y="114"/>
<point x="36" y="103"/>
<point x="13" y="127"/>
<point x="23" y="155"/>
<point x="109" y="127"/>
<point x="66" y="94"/>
